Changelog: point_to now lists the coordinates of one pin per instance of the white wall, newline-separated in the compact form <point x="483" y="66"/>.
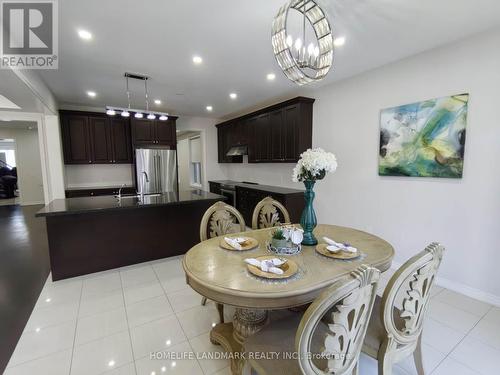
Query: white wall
<point x="97" y="175"/>
<point x="29" y="168"/>
<point x="183" y="163"/>
<point x="52" y="157"/>
<point x="463" y="214"/>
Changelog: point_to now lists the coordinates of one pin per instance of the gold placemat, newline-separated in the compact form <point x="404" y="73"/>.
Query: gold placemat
<point x="249" y="244"/>
<point x="290" y="268"/>
<point x="344" y="255"/>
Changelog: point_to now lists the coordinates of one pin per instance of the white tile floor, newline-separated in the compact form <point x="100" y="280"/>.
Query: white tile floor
<point x="108" y="323"/>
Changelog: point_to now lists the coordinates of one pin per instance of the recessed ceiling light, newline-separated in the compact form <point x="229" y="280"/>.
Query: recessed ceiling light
<point x="339" y="42"/>
<point x="92" y="94"/>
<point x="209" y="108"/>
<point x="111" y="363"/>
<point x="157" y="101"/>
<point x="271" y="76"/>
<point x="233" y="95"/>
<point x="197" y="59"/>
<point x="84" y="34"/>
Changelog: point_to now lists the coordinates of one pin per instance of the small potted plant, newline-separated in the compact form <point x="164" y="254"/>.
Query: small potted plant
<point x="278" y="240"/>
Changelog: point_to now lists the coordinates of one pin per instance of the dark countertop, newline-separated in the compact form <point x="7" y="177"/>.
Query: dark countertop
<point x="72" y="206"/>
<point x="266" y="188"/>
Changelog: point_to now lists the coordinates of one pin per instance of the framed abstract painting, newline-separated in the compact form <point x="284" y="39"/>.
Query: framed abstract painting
<point x="424" y="139"/>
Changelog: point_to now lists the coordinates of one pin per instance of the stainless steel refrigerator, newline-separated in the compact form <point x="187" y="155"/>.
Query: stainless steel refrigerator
<point x="156" y="170"/>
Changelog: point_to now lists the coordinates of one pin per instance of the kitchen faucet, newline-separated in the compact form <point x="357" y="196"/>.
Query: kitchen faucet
<point x="120" y="191"/>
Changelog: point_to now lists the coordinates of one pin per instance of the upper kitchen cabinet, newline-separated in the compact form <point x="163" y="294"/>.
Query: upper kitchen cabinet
<point x="95" y="138"/>
<point x="154" y="132"/>
<point x="165" y="132"/>
<point x="121" y="139"/>
<point x="227" y="138"/>
<point x="76" y="138"/>
<point x="275" y="134"/>
<point x="100" y="140"/>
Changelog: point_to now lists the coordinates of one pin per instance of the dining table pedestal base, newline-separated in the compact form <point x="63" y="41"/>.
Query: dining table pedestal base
<point x="231" y="336"/>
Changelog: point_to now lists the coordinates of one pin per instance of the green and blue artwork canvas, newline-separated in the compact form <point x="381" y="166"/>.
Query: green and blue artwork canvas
<point x="424" y="139"/>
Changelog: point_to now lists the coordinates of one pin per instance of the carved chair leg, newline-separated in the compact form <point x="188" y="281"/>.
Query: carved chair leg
<point x="204" y="301"/>
<point x="220" y="309"/>
<point x="418" y="358"/>
<point x="384" y="358"/>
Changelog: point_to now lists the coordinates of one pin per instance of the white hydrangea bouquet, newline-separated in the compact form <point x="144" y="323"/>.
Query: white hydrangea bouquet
<point x="312" y="166"/>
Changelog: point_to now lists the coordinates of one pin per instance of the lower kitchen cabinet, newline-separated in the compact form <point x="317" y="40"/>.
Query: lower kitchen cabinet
<point x="247" y="199"/>
<point x="248" y="195"/>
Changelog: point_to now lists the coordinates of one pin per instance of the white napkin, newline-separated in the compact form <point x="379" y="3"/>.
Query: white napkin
<point x="233" y="242"/>
<point x="337" y="246"/>
<point x="270" y="265"/>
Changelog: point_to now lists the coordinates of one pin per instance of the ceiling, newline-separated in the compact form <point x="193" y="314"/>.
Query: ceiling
<point x="16" y="91"/>
<point x="159" y="38"/>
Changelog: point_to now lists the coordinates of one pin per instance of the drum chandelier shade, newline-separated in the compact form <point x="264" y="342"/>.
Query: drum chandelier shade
<point x="303" y="64"/>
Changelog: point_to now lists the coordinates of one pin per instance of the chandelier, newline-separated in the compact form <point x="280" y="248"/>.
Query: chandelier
<point x="138" y="113"/>
<point x="303" y="63"/>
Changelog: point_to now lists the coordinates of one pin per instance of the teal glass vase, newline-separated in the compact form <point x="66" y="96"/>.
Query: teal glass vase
<point x="308" y="219"/>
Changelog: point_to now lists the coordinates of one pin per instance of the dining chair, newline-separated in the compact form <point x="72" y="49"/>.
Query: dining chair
<point x="395" y="329"/>
<point x="267" y="214"/>
<point x="327" y="339"/>
<point x="220" y="219"/>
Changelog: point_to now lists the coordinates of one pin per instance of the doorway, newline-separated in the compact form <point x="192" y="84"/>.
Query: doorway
<point x="20" y="165"/>
<point x="190" y="160"/>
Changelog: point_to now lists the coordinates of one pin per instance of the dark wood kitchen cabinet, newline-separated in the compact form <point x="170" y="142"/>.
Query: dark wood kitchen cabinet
<point x="248" y="195"/>
<point x="226" y="138"/>
<point x="100" y="140"/>
<point x="121" y="140"/>
<point x="154" y="132"/>
<point x="261" y="142"/>
<point x="76" y="139"/>
<point x="95" y="138"/>
<point x="275" y="134"/>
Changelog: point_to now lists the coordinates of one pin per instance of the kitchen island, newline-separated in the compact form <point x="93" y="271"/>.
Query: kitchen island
<point x="92" y="234"/>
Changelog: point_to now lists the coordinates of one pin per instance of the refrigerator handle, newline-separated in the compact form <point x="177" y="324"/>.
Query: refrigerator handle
<point x="158" y="173"/>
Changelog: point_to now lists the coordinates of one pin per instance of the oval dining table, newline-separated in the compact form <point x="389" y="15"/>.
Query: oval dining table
<point x="222" y="276"/>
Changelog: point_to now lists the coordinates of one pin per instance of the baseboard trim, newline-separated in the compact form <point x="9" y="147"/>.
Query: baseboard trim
<point x="469" y="291"/>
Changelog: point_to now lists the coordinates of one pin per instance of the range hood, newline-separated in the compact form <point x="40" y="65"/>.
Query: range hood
<point x="237" y="151"/>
